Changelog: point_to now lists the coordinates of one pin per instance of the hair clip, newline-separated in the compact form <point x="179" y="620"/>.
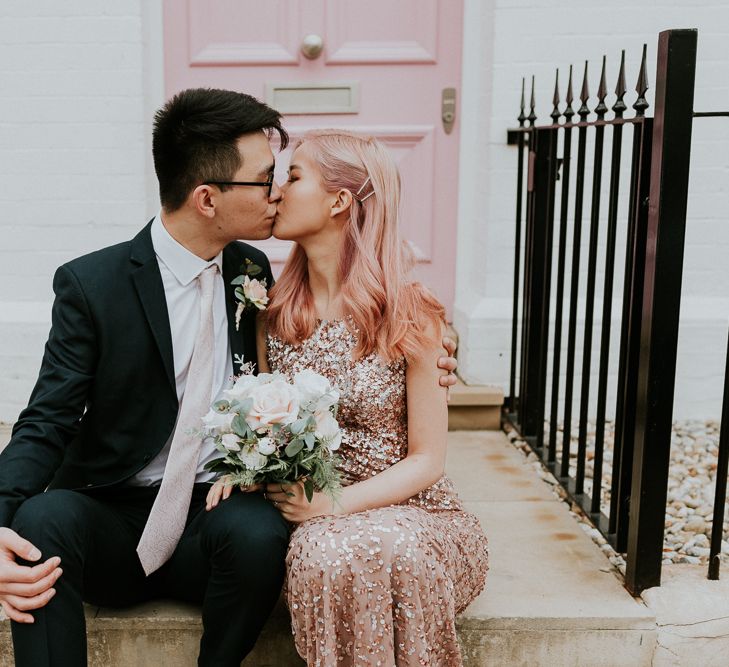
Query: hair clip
<point x="364" y="185"/>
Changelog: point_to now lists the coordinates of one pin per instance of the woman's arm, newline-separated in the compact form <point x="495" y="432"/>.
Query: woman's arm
<point x="422" y="467"/>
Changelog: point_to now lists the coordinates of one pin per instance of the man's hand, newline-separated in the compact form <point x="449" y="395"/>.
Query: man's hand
<point x="24" y="588"/>
<point x="449" y="364"/>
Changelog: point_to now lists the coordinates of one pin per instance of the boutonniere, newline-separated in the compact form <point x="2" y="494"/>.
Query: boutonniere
<point x="250" y="292"/>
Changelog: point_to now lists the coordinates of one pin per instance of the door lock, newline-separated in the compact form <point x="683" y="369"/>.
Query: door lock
<point x="448" y="109"/>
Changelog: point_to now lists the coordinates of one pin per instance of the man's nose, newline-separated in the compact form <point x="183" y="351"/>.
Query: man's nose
<point x="276" y="193"/>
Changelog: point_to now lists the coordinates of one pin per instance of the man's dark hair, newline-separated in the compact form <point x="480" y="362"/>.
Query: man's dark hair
<point x="195" y="138"/>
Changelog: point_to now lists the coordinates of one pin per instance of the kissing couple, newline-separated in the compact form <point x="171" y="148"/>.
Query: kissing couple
<point x="105" y="496"/>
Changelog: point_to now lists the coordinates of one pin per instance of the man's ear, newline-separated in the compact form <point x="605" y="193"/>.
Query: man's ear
<point x="203" y="199"/>
<point x="342" y="202"/>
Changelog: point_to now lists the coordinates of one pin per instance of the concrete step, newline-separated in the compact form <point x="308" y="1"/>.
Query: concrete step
<point x="551" y="600"/>
<point x="475" y="407"/>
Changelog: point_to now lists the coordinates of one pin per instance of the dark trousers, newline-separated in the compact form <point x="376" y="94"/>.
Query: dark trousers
<point x="231" y="560"/>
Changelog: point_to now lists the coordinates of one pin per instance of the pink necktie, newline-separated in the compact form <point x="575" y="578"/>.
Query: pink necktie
<point x="168" y="516"/>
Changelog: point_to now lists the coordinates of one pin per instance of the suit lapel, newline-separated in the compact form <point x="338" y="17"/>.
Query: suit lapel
<point x="231" y="269"/>
<point x="148" y="283"/>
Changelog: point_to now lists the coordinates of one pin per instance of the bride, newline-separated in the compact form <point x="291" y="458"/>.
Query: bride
<point x="378" y="577"/>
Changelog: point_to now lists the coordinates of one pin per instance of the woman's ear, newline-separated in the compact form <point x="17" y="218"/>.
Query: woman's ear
<point x="203" y="199"/>
<point x="342" y="202"/>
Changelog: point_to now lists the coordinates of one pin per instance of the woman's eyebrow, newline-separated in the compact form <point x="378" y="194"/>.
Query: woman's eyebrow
<point x="294" y="166"/>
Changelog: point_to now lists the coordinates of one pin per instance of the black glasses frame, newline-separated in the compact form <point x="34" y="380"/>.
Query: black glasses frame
<point x="268" y="184"/>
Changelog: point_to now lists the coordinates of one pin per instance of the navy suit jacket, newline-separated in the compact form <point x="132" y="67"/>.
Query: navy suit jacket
<point x="105" y="401"/>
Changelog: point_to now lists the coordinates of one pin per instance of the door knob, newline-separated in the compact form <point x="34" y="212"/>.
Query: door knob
<point x="312" y="46"/>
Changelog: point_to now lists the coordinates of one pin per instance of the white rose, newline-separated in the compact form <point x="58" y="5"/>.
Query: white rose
<point x="327" y="401"/>
<point x="255" y="292"/>
<point x="311" y="385"/>
<point x="252" y="460"/>
<point x="266" y="446"/>
<point x="230" y="442"/>
<point x="327" y="430"/>
<point x="218" y="422"/>
<point x="275" y="402"/>
<point x="242" y="388"/>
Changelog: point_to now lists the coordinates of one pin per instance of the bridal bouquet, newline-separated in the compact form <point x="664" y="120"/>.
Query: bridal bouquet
<point x="270" y="430"/>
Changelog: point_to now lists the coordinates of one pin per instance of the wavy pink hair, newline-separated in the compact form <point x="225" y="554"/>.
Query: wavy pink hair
<point x="393" y="315"/>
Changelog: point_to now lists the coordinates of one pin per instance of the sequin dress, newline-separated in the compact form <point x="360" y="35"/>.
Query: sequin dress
<point x="383" y="586"/>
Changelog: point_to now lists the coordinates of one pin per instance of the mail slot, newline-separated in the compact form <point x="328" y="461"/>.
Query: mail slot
<point x="312" y="98"/>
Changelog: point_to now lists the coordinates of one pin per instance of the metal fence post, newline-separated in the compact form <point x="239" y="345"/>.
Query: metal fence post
<point x="661" y="301"/>
<point x="538" y="257"/>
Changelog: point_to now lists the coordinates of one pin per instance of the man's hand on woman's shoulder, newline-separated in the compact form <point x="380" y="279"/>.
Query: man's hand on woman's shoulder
<point x="448" y="363"/>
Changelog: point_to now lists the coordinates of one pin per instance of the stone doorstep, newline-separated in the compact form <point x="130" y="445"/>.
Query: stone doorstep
<point x="475" y="407"/>
<point x="552" y="599"/>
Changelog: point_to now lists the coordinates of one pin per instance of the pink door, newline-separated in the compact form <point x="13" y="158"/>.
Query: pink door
<point x="381" y="67"/>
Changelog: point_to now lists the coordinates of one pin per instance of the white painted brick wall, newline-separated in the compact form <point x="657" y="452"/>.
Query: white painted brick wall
<point x="73" y="140"/>
<point x="80" y="80"/>
<point x="516" y="38"/>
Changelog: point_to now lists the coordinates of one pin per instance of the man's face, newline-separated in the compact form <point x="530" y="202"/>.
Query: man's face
<point x="247" y="211"/>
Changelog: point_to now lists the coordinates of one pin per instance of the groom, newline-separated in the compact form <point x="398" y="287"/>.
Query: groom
<point x="102" y="486"/>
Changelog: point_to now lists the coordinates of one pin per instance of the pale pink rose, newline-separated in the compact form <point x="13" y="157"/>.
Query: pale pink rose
<point x="275" y="402"/>
<point x="255" y="292"/>
<point x="327" y="429"/>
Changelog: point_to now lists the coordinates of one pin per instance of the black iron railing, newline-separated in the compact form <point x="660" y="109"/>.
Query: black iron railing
<point x="657" y="186"/>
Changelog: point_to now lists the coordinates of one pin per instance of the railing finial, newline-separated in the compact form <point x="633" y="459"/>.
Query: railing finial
<point x="584" y="110"/>
<point x="522" y="116"/>
<point x="569" y="111"/>
<point x="641" y="104"/>
<point x="555" y="100"/>
<point x="619" y="107"/>
<point x="601" y="107"/>
<point x="532" y="104"/>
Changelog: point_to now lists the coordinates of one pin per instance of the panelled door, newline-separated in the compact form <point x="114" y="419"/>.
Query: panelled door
<point x="390" y="68"/>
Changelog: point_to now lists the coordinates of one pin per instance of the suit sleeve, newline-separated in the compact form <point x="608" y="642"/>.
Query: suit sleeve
<point x="51" y="420"/>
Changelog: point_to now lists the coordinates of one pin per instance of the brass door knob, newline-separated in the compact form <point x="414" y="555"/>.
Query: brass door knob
<point x="312" y="46"/>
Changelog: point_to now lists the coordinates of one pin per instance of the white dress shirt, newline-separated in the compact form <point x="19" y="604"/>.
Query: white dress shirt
<point x="179" y="268"/>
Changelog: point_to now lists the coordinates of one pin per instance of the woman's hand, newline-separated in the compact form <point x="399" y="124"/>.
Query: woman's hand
<point x="290" y="500"/>
<point x="221" y="490"/>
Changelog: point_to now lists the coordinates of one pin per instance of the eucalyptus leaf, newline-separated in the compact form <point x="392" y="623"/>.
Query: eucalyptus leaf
<point x="254" y="270"/>
<point x="294" y="447"/>
<point x="309" y="489"/>
<point x="239" y="426"/>
<point x="238" y="280"/>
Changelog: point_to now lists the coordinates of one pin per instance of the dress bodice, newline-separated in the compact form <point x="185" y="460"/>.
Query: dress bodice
<point x="372" y="406"/>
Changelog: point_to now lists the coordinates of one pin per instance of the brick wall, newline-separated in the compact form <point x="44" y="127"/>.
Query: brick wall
<point x="515" y="38"/>
<point x="73" y="128"/>
<point x="81" y="78"/>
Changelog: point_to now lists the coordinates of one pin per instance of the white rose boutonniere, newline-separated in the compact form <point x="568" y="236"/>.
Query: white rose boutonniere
<point x="251" y="293"/>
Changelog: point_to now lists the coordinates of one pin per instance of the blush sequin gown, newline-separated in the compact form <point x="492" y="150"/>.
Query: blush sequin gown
<point x="383" y="586"/>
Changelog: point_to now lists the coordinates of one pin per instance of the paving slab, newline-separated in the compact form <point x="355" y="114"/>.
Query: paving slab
<point x="692" y="615"/>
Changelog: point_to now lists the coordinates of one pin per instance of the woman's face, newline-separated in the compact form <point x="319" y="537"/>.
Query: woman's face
<point x="306" y="207"/>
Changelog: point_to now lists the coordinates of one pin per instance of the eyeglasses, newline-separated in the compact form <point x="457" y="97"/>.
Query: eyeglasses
<point x="267" y="184"/>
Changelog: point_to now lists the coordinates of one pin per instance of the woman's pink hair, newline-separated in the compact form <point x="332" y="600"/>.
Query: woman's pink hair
<point x="394" y="316"/>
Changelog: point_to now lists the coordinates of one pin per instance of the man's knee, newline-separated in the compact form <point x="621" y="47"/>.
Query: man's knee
<point x="45" y="517"/>
<point x="248" y="525"/>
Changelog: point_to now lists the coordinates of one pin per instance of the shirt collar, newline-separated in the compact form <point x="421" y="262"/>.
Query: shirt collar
<point x="183" y="264"/>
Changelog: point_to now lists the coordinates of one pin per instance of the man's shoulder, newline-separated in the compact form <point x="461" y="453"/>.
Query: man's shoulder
<point x="104" y="260"/>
